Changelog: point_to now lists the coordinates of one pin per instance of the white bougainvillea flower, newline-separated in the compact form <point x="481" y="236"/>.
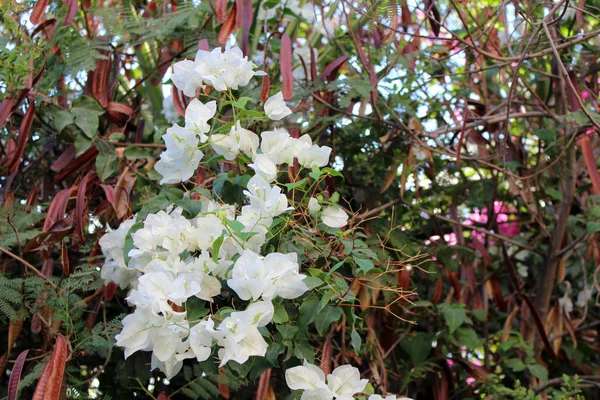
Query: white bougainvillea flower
<point x="185" y="77"/>
<point x="264" y="167"/>
<point x="313" y="206"/>
<point x="201" y="339"/>
<point x="334" y="217"/>
<point x="265" y="198"/>
<point x="345" y="381"/>
<point x="274" y="144"/>
<point x="305" y="377"/>
<point x="139" y="331"/>
<point x="249" y="276"/>
<point x="225" y="70"/>
<point x="314" y="156"/>
<point x="179" y="162"/>
<point x="239" y="337"/>
<point x="197" y="116"/>
<point x="237" y="140"/>
<point x="114" y="268"/>
<point x="388" y="397"/>
<point x="275" y="107"/>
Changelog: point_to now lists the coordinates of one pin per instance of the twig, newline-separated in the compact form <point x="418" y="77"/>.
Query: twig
<point x="29" y="266"/>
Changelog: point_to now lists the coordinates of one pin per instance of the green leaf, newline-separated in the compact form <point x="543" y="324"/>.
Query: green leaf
<point x="593" y="227"/>
<point x="454" y="315"/>
<point x="355" y="341"/>
<point x="468" y="337"/>
<point x="287" y="331"/>
<point x="418" y="347"/>
<point x="62" y="119"/>
<point x="82" y="143"/>
<point x="128" y="245"/>
<point x="555" y="194"/>
<point x="308" y="310"/>
<point x="88" y="103"/>
<point x="86" y="121"/>
<point x="106" y="160"/>
<point x="280" y="315"/>
<point x="515" y="364"/>
<point x="326" y="317"/>
<point x="216" y="247"/>
<point x="312" y="282"/>
<point x="136" y="153"/>
<point x="273" y="352"/>
<point x="241" y="102"/>
<point x="547" y="135"/>
<point x="538" y="371"/>
<point x="300" y="184"/>
<point x="364" y="264"/>
<point x="304" y="351"/>
<point x="190" y="206"/>
<point x="480" y="314"/>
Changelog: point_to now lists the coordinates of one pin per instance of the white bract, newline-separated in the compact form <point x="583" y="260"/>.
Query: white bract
<point x="343" y="383"/>
<point x="275" y="107"/>
<point x="313" y="205"/>
<point x="197" y="116"/>
<point x="238" y="140"/>
<point x="334" y="217"/>
<point x="179" y="162"/>
<point x="173" y="259"/>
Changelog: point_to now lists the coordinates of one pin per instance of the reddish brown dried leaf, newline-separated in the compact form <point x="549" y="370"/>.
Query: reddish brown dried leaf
<point x="5" y="110"/>
<point x="64" y="159"/>
<point x="221" y="11"/>
<point x="109" y="192"/>
<point x="122" y="190"/>
<point x="59" y="358"/>
<point x="228" y="27"/>
<point x="285" y="60"/>
<point x="71" y="12"/>
<point x="15" y="376"/>
<point x="222" y="384"/>
<point x="13" y="163"/>
<point x="57" y="208"/>
<point x="87" y="157"/>
<point x="38" y="11"/>
<point x="263" y="385"/>
<point x="247" y="16"/>
<point x="509" y="323"/>
<point x="590" y="162"/>
<point x="163" y="396"/>
<point x="203" y="45"/>
<point x="265" y="89"/>
<point x="110" y="290"/>
<point x="327" y="356"/>
<point x="177" y="102"/>
<point x="14" y="331"/>
<point x="438" y="291"/>
<point x="66" y="264"/>
<point x="331" y="70"/>
<point x="80" y="206"/>
<point x="40" y="389"/>
<point x="56" y="232"/>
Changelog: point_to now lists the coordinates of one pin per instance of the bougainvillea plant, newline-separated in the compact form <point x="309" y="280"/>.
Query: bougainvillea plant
<point x="299" y="199"/>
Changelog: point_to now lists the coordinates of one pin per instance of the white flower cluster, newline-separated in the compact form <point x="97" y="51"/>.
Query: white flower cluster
<point x="342" y="384"/>
<point x="224" y="71"/>
<point x="174" y="258"/>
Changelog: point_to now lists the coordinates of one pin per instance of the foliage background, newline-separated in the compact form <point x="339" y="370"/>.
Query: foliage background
<point x="466" y="134"/>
